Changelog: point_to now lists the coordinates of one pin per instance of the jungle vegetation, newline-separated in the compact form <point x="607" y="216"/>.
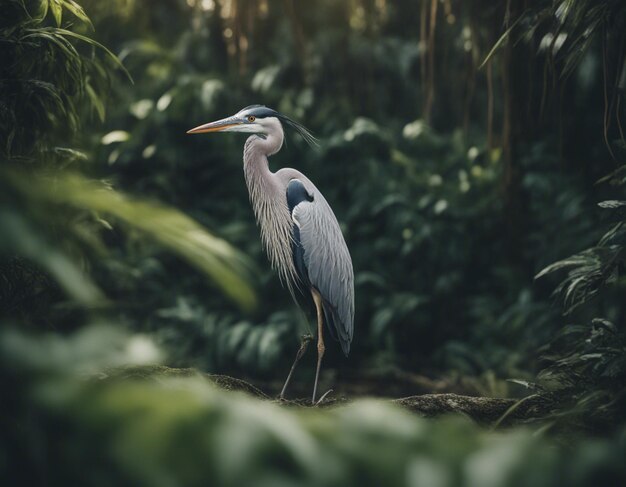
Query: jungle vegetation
<point x="474" y="154"/>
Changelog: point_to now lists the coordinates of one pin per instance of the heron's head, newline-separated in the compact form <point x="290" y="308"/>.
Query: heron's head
<point x="255" y="119"/>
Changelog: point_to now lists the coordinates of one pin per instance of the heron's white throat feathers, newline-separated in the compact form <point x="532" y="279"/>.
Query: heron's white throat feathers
<point x="271" y="134"/>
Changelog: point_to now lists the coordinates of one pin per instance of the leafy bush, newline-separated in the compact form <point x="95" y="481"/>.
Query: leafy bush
<point x="167" y="430"/>
<point x="588" y="362"/>
<point x="52" y="75"/>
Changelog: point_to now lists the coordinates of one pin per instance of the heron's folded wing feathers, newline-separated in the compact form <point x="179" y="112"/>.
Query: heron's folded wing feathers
<point x="328" y="263"/>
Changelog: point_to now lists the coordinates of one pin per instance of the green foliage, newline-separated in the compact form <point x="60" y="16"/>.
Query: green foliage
<point x="594" y="268"/>
<point x="443" y="265"/>
<point x="22" y="238"/>
<point x="400" y="186"/>
<point x="162" y="431"/>
<point x="589" y="362"/>
<point x="174" y="230"/>
<point x="454" y="186"/>
<point x="50" y="75"/>
<point x="572" y="26"/>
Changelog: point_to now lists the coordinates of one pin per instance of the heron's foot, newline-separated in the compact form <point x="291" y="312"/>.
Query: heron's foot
<point x="324" y="396"/>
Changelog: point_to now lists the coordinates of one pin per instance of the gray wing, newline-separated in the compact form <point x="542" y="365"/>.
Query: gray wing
<point x="328" y="264"/>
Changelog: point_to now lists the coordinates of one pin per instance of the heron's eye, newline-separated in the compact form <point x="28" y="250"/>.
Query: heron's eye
<point x="251" y="118"/>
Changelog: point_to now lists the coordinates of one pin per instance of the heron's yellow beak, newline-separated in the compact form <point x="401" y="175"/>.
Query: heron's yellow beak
<point x="218" y="126"/>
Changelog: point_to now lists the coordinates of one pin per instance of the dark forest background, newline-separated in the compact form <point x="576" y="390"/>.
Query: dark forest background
<point x="474" y="155"/>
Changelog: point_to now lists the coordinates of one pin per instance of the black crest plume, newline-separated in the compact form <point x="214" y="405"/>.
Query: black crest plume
<point x="261" y="111"/>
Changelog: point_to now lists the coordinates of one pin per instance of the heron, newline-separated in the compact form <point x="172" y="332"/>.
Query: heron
<point x="299" y="230"/>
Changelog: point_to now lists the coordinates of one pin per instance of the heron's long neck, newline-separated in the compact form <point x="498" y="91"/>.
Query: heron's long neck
<point x="255" y="163"/>
<point x="269" y="202"/>
<point x="260" y="180"/>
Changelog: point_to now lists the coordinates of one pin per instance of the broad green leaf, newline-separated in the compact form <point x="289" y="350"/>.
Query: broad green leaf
<point x="77" y="11"/>
<point x="57" y="11"/>
<point x="42" y="10"/>
<point x="96" y="102"/>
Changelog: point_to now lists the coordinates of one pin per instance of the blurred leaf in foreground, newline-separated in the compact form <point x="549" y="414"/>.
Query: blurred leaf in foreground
<point x="20" y="238"/>
<point x="168" y="431"/>
<point x="227" y="267"/>
<point x="89" y="351"/>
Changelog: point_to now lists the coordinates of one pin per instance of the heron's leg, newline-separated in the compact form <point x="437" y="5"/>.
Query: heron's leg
<point x="320" y="338"/>
<point x="304" y="344"/>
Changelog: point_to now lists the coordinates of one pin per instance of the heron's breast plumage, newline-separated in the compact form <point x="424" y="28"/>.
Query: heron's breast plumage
<point x="269" y="203"/>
